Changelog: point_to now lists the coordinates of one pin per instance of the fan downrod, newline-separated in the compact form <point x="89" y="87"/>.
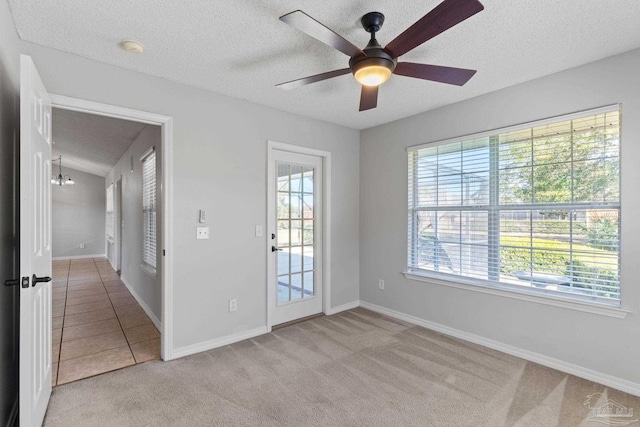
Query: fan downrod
<point x="372" y="21"/>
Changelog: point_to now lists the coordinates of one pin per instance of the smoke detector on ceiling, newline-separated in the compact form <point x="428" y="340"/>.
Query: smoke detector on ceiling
<point x="132" y="46"/>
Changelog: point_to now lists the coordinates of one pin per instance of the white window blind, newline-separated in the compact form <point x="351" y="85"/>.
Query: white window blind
<point x="149" y="209"/>
<point x="109" y="214"/>
<point x="535" y="207"/>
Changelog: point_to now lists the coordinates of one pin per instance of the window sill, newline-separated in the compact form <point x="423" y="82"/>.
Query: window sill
<point x="508" y="292"/>
<point x="149" y="270"/>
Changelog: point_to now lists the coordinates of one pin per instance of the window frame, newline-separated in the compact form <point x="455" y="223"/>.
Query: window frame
<point x="147" y="233"/>
<point x="557" y="298"/>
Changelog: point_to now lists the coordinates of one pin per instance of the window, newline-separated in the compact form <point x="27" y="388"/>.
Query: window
<point x="534" y="206"/>
<point x="109" y="214"/>
<point x="149" y="209"/>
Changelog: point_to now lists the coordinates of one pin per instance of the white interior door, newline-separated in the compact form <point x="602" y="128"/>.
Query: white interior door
<point x="295" y="236"/>
<point x="35" y="245"/>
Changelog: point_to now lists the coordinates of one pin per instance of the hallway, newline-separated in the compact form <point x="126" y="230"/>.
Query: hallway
<point x="97" y="326"/>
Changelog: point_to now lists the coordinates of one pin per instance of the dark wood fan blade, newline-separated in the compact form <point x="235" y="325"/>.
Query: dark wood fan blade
<point x="436" y="73"/>
<point x="441" y="18"/>
<point x="307" y="24"/>
<point x="368" y="97"/>
<point x="312" y="79"/>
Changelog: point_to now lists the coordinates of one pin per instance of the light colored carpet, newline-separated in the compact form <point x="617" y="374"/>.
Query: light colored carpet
<point x="355" y="368"/>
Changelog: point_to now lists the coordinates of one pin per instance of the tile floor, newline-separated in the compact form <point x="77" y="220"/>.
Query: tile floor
<point x="97" y="324"/>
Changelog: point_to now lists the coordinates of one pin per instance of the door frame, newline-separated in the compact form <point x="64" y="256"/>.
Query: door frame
<point x="166" y="124"/>
<point x="326" y="219"/>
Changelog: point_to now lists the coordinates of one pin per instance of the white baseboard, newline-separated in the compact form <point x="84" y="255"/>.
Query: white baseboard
<point x="218" y="342"/>
<point x="112" y="264"/>
<point x="343" y="307"/>
<point x="143" y="304"/>
<point x="550" y="362"/>
<point x="64" y="258"/>
<point x="233" y="338"/>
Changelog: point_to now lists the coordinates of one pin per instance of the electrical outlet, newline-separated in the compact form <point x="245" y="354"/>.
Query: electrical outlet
<point x="202" y="233"/>
<point x="380" y="284"/>
<point x="81" y="245"/>
<point x="233" y="305"/>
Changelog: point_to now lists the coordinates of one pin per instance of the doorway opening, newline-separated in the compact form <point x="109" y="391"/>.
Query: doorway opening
<point x="110" y="282"/>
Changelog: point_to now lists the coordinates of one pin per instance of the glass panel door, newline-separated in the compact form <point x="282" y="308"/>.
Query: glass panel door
<point x="295" y="236"/>
<point x="295" y="243"/>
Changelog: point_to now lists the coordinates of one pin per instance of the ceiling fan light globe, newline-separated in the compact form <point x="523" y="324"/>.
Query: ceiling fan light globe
<point x="373" y="75"/>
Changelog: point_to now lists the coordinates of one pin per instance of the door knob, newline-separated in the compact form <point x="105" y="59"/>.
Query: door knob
<point x="273" y="249"/>
<point x="35" y="280"/>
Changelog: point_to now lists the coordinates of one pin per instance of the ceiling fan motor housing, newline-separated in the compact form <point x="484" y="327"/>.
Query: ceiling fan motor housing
<point x="375" y="55"/>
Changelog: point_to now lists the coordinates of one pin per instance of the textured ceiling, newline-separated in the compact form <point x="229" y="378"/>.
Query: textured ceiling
<point x="91" y="143"/>
<point x="239" y="48"/>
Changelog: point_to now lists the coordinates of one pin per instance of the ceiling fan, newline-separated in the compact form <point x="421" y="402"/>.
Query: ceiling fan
<point x="374" y="64"/>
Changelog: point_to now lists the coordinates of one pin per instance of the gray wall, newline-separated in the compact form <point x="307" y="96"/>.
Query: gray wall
<point x="78" y="215"/>
<point x="9" y="136"/>
<point x="604" y="344"/>
<point x="145" y="285"/>
<point x="220" y="151"/>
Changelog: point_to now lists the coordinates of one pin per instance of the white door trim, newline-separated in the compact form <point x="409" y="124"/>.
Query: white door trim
<point x="326" y="219"/>
<point x="166" y="123"/>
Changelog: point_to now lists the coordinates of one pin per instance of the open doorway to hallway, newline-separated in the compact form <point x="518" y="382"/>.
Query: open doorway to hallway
<point x="107" y="268"/>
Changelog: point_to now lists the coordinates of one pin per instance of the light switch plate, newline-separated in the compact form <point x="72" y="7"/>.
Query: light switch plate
<point x="202" y="233"/>
<point x="258" y="231"/>
<point x="202" y="218"/>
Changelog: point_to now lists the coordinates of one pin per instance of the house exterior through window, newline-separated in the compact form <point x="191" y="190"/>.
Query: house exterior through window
<point x="149" y="209"/>
<point x="533" y="207"/>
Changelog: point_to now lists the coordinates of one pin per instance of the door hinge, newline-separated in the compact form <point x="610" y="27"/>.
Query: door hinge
<point x="11" y="282"/>
<point x="164" y="253"/>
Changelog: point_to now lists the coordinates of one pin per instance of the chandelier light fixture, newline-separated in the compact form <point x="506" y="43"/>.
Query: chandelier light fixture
<point x="61" y="179"/>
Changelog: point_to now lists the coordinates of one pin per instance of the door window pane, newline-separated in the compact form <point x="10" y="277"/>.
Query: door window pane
<point x="283" y="177"/>
<point x="283" y="205"/>
<point x="283" y="262"/>
<point x="296" y="178"/>
<point x="308" y="258"/>
<point x="308" y="284"/>
<point x="296" y="286"/>
<point x="296" y="259"/>
<point x="296" y="205"/>
<point x="296" y="233"/>
<point x="283" y="234"/>
<point x="283" y="289"/>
